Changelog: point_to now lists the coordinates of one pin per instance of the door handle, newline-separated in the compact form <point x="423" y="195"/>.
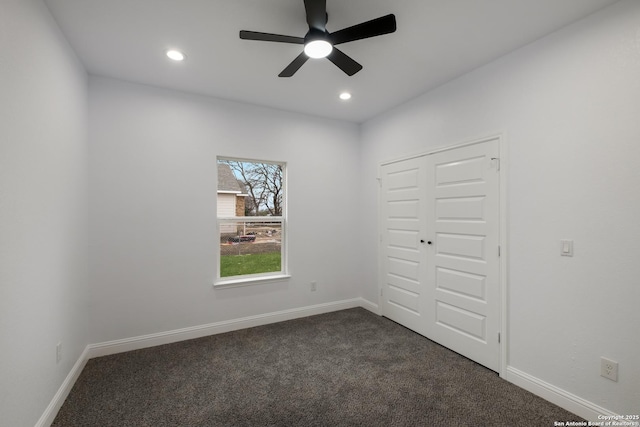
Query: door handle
<point x="422" y="241"/>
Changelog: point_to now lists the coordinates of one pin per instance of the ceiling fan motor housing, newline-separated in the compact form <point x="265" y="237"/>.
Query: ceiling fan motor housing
<point x="316" y="34"/>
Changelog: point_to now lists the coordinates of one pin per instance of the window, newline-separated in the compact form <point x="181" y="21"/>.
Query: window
<point x="251" y="221"/>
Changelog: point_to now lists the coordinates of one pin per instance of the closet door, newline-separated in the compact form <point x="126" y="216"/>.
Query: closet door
<point x="439" y="250"/>
<point x="402" y="255"/>
<point x="462" y="287"/>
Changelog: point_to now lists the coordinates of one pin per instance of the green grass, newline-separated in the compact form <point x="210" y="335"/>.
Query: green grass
<point x="238" y="265"/>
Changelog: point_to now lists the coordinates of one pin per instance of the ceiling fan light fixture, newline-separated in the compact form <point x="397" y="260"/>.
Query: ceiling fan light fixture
<point x="176" y="55"/>
<point x="318" y="49"/>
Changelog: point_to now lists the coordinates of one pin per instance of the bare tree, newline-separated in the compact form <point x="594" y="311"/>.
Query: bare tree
<point x="263" y="183"/>
<point x="271" y="177"/>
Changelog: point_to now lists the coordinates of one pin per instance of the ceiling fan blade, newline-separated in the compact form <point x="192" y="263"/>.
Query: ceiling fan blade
<point x="344" y="62"/>
<point x="375" y="27"/>
<point x="268" y="37"/>
<point x="294" y="66"/>
<point x="316" y="13"/>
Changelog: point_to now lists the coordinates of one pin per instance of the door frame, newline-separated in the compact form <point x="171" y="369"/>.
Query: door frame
<point x="503" y="238"/>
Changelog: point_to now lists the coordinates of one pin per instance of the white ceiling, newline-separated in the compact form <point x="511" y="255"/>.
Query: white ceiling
<point x="436" y="41"/>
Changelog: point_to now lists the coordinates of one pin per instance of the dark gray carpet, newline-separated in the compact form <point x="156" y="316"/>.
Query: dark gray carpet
<point x="348" y="368"/>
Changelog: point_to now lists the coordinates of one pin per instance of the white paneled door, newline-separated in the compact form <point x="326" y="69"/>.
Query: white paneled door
<point x="456" y="290"/>
<point x="404" y="225"/>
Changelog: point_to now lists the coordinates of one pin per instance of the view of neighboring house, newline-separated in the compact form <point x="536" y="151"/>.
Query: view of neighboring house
<point x="231" y="196"/>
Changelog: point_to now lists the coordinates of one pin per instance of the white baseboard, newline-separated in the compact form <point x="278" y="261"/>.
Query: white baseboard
<point x="152" y="340"/>
<point x="58" y="399"/>
<point x="558" y="396"/>
<point x="368" y="305"/>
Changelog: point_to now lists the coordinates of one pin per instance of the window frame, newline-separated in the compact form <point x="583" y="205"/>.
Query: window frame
<point x="251" y="279"/>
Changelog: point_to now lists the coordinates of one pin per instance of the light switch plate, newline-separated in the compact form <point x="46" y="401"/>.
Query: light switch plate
<point x="566" y="247"/>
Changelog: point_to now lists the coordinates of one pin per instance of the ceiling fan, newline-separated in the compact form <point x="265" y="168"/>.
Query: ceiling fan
<point x="319" y="43"/>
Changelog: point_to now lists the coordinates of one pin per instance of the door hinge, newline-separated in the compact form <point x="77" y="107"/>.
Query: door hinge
<point x="496" y="162"/>
<point x="380" y="291"/>
<point x="498" y="250"/>
<point x="498" y="337"/>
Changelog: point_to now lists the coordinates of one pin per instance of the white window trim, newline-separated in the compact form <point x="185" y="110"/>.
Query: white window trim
<point x="259" y="278"/>
<point x="238" y="281"/>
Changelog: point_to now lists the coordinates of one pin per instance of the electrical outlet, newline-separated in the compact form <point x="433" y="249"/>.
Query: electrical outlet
<point x="609" y="369"/>
<point x="313" y="286"/>
<point x="59" y="352"/>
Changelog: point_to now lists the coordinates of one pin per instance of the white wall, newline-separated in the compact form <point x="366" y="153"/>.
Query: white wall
<point x="153" y="187"/>
<point x="43" y="210"/>
<point x="569" y="106"/>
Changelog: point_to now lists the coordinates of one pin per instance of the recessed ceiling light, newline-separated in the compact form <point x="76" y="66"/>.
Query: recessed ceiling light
<point x="176" y="55"/>
<point x="345" y="96"/>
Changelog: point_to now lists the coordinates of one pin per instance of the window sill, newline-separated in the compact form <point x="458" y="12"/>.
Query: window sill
<point x="247" y="281"/>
